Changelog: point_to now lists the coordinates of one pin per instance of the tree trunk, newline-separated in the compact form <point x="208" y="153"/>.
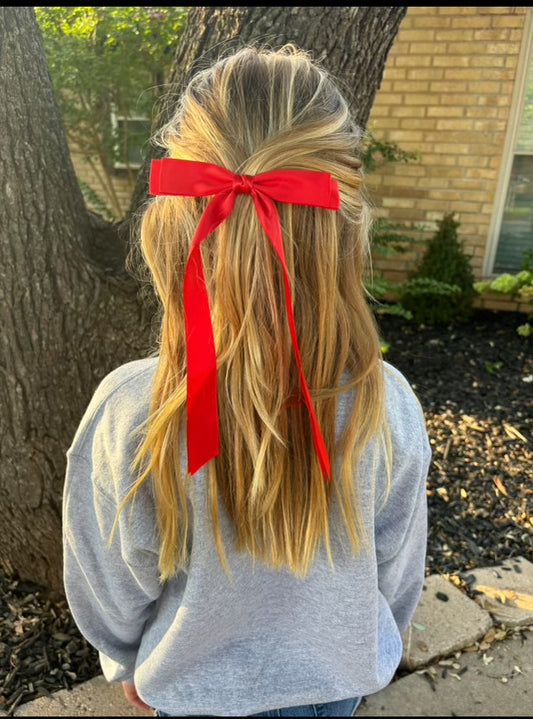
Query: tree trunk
<point x="69" y="311"/>
<point x="65" y="321"/>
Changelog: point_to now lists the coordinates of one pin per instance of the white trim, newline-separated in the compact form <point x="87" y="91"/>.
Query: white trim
<point x="515" y="114"/>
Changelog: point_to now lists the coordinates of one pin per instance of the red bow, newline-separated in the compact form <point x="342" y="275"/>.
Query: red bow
<point x="200" y="179"/>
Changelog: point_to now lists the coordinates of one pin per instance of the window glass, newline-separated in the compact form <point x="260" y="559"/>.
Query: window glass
<point x="516" y="231"/>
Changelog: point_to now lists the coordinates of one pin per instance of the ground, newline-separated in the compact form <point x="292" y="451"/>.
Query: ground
<point x="475" y="384"/>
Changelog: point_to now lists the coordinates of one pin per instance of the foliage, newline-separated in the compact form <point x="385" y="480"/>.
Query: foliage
<point x="518" y="285"/>
<point x="387" y="237"/>
<point x="375" y="153"/>
<point x="441" y="289"/>
<point x="94" y="199"/>
<point x="106" y="60"/>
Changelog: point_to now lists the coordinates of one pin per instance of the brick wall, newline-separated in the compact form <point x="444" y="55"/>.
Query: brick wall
<point x="447" y="92"/>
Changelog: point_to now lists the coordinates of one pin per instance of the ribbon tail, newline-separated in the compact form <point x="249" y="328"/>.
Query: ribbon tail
<point x="269" y="218"/>
<point x="202" y="407"/>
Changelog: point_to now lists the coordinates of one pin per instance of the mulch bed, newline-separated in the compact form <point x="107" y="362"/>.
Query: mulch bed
<point x="475" y="384"/>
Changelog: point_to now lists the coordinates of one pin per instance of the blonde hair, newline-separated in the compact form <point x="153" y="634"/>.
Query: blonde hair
<point x="255" y="111"/>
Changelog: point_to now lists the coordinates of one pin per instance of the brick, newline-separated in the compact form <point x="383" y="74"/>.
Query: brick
<point x="444" y="173"/>
<point x="471" y="74"/>
<point x="424" y="35"/>
<point x="417" y="123"/>
<point x="475" y="21"/>
<point x="414" y="10"/>
<point x="430" y="206"/>
<point x="473" y="161"/>
<point x="480" y="48"/>
<point x="407" y="111"/>
<point x="410" y="86"/>
<point x="479" y="251"/>
<point x="494" y="100"/>
<point x="402" y="136"/>
<point x="444" y="87"/>
<point x="468" y="206"/>
<point x="445" y="111"/>
<point x="454" y="98"/>
<point x="516" y="35"/>
<point x="437" y="160"/>
<point x="461" y="137"/>
<point x="386" y="86"/>
<point x="484" y="113"/>
<point x="397" y="202"/>
<point x="455" y="124"/>
<point x="385" y="123"/>
<point x="434" y="184"/>
<point x="512" y="20"/>
<point x="494" y="35"/>
<point x="379" y="109"/>
<point x="425" y="73"/>
<point x="389" y="98"/>
<point x="413" y="170"/>
<point x="490" y="125"/>
<point x="489" y="61"/>
<point x="457" y="10"/>
<point x="452" y="61"/>
<point x="426" y="99"/>
<point x="428" y="48"/>
<point x="430" y="21"/>
<point x="395" y="73"/>
<point x="455" y="35"/>
<point x="413" y="60"/>
<point x="463" y="183"/>
<point x="484" y="88"/>
<point x="494" y="10"/>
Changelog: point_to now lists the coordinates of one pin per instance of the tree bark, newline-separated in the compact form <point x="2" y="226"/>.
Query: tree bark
<point x="69" y="311"/>
<point x="65" y="320"/>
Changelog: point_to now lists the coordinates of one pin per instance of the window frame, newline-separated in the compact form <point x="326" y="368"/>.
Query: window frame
<point x="513" y="125"/>
<point x="115" y="120"/>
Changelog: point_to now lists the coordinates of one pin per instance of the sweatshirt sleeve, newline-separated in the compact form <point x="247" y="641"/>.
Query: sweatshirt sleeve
<point x="401" y="523"/>
<point x="110" y="591"/>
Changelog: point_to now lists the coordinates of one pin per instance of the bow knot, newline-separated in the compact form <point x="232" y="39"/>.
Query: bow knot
<point x="243" y="185"/>
<point x="200" y="179"/>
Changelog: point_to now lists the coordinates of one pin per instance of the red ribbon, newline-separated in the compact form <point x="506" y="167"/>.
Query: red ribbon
<point x="201" y="179"/>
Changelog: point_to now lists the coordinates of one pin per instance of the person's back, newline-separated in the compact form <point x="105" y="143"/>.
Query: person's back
<point x="262" y="479"/>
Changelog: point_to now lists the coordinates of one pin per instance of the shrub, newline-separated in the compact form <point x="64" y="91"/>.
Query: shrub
<point x="519" y="285"/>
<point x="441" y="289"/>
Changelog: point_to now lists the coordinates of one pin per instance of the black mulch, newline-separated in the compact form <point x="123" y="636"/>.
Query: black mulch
<point x="475" y="383"/>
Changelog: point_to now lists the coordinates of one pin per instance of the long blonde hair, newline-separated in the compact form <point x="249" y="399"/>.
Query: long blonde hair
<point x="255" y="111"/>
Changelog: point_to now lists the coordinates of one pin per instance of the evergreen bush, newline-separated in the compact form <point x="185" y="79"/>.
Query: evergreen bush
<point x="441" y="289"/>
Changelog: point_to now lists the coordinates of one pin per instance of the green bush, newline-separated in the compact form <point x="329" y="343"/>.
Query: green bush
<point x="441" y="289"/>
<point x="519" y="286"/>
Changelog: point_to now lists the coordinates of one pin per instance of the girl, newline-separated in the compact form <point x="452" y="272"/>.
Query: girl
<point x="245" y="511"/>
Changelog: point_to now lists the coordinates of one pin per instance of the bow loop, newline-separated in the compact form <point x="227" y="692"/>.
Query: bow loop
<point x="201" y="179"/>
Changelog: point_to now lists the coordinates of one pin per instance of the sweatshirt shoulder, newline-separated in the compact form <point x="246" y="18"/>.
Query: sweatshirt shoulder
<point x="404" y="411"/>
<point x="121" y="399"/>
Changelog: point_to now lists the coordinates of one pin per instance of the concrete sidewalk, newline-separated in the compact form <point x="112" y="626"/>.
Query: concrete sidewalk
<point x="462" y="656"/>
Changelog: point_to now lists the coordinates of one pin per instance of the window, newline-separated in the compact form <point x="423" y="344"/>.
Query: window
<point x="514" y="213"/>
<point x="131" y="135"/>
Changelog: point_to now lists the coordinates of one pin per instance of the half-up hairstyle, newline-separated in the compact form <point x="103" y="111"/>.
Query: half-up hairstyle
<point x="252" y="112"/>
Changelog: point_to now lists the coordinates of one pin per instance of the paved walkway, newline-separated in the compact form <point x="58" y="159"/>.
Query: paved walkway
<point x="462" y="657"/>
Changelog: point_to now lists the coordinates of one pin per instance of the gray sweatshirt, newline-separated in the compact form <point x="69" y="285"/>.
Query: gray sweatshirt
<point x="202" y="644"/>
